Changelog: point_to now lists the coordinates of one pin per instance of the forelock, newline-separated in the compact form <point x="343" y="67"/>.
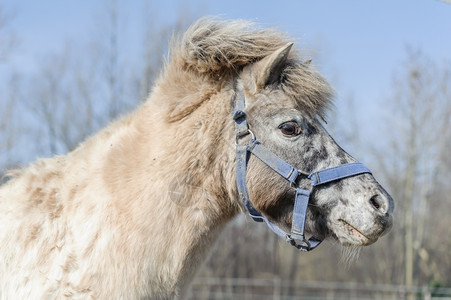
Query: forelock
<point x="218" y="50"/>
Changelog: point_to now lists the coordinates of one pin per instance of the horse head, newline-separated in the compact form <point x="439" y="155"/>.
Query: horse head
<point x="280" y="95"/>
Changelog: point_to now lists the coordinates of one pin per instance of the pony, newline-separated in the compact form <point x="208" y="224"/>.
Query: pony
<point x="132" y="212"/>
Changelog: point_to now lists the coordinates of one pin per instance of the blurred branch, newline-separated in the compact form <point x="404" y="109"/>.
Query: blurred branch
<point x="7" y="37"/>
<point x="418" y="135"/>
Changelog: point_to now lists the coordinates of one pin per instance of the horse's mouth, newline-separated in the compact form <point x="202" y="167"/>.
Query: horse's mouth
<point x="352" y="236"/>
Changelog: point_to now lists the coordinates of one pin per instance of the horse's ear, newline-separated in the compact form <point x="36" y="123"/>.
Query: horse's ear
<point x="268" y="70"/>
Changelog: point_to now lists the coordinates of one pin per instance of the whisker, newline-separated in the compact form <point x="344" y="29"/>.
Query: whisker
<point x="349" y="255"/>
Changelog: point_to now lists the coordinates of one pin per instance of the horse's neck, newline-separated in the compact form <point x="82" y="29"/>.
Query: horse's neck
<point x="169" y="184"/>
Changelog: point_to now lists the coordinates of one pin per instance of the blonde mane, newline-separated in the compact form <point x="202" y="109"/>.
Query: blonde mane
<point x="218" y="50"/>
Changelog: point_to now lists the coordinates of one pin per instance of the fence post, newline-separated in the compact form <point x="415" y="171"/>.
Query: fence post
<point x="277" y="288"/>
<point x="426" y="293"/>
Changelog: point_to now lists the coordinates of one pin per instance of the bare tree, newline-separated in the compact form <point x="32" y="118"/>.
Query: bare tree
<point x="418" y="136"/>
<point x="7" y="37"/>
<point x="157" y="35"/>
<point x="9" y="127"/>
<point x="112" y="58"/>
<point x="58" y="97"/>
<point x="75" y="92"/>
<point x="8" y="97"/>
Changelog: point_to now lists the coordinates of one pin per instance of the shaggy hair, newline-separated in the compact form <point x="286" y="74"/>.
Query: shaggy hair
<point x="218" y="50"/>
<point x="131" y="212"/>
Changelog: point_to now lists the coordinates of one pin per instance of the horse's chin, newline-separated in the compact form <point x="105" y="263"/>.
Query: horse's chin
<point x="348" y="235"/>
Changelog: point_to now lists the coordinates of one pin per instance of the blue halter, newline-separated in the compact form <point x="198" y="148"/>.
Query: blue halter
<point x="296" y="236"/>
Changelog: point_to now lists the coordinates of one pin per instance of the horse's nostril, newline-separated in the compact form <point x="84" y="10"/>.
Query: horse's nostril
<point x="374" y="201"/>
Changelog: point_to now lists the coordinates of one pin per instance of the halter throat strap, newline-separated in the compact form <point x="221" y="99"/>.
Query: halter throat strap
<point x="296" y="237"/>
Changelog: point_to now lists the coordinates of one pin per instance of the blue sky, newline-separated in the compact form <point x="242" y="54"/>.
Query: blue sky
<point x="358" y="43"/>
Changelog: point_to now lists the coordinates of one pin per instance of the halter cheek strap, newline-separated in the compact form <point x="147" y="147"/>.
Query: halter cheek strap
<point x="296" y="236"/>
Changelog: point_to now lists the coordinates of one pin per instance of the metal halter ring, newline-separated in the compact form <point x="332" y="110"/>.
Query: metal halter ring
<point x="292" y="241"/>
<point x="241" y="134"/>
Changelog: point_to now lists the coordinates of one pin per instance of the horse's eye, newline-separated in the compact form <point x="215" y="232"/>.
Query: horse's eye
<point x="290" y="129"/>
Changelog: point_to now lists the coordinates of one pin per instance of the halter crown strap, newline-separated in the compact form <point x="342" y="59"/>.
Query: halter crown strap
<point x="296" y="237"/>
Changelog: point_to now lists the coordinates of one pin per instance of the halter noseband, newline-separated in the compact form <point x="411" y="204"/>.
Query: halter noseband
<point x="296" y="236"/>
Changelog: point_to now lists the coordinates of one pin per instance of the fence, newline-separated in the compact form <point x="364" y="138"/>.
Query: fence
<point x="275" y="289"/>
